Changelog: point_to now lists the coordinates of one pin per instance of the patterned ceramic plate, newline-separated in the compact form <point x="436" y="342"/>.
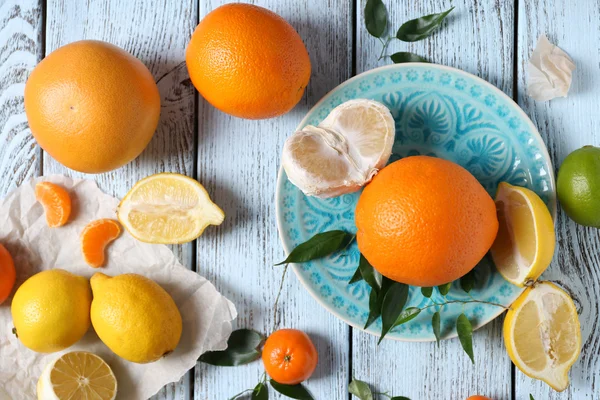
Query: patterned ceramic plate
<point x="439" y="111"/>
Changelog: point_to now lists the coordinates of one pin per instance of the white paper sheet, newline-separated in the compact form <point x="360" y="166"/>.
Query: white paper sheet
<point x="550" y="71"/>
<point x="206" y="314"/>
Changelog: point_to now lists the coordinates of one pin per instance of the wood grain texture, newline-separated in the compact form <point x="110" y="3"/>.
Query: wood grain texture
<point x="238" y="161"/>
<point x="20" y="50"/>
<point x="155" y="31"/>
<point x="477" y="38"/>
<point x="567" y="124"/>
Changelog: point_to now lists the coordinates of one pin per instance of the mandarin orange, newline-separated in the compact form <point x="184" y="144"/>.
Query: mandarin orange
<point x="425" y="221"/>
<point x="95" y="237"/>
<point x="8" y="274"/>
<point x="289" y="356"/>
<point x="478" y="397"/>
<point x="56" y="202"/>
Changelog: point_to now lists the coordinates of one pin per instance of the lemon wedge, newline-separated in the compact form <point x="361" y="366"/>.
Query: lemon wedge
<point x="344" y="152"/>
<point x="77" y="375"/>
<point x="168" y="208"/>
<point x="542" y="334"/>
<point x="525" y="242"/>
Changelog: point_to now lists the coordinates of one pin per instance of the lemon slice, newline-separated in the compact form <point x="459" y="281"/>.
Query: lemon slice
<point x="77" y="375"/>
<point x="344" y="152"/>
<point x="542" y="334"/>
<point x="525" y="242"/>
<point x="168" y="208"/>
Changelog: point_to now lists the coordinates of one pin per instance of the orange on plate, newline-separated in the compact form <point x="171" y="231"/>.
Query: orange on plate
<point x="8" y="274"/>
<point x="425" y="221"/>
<point x="95" y="237"/>
<point x="289" y="356"/>
<point x="247" y="61"/>
<point x="92" y="106"/>
<point x="56" y="202"/>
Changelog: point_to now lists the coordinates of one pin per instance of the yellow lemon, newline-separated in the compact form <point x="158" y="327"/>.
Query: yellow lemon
<point x="136" y="318"/>
<point x="77" y="375"/>
<point x="525" y="242"/>
<point x="542" y="334"/>
<point x="51" y="310"/>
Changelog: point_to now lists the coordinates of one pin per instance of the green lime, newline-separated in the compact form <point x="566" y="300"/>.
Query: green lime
<point x="578" y="186"/>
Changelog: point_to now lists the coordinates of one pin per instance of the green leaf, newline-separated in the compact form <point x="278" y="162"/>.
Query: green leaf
<point x="465" y="335"/>
<point x="375" y="17"/>
<point x="260" y="392"/>
<point x="427" y="291"/>
<point x="399" y="398"/>
<point x="376" y="301"/>
<point x="444" y="289"/>
<point x="360" y="389"/>
<point x="393" y="303"/>
<point x="368" y="273"/>
<point x="298" y="391"/>
<point x="531" y="397"/>
<point x="242" y="348"/>
<point x="467" y="282"/>
<point x="420" y="28"/>
<point x="436" y="326"/>
<point x="357" y="277"/>
<point x="407" y="315"/>
<point x="405" y="57"/>
<point x="319" y="246"/>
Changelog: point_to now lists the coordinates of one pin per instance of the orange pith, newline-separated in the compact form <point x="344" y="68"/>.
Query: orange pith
<point x="94" y="239"/>
<point x="56" y="202"/>
<point x="7" y="273"/>
<point x="289" y="356"/>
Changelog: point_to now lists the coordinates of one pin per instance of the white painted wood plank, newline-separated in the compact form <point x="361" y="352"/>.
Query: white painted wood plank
<point x="478" y="38"/>
<point x="566" y="125"/>
<point x="155" y="31"/>
<point x="20" y="50"/>
<point x="238" y="163"/>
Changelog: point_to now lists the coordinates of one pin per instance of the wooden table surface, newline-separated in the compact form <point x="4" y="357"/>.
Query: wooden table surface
<point x="237" y="161"/>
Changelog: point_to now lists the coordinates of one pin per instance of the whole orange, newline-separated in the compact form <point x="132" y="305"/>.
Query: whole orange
<point x="247" y="61"/>
<point x="92" y="106"/>
<point x="7" y="274"/>
<point x="425" y="221"/>
<point x="478" y="397"/>
<point x="289" y="356"/>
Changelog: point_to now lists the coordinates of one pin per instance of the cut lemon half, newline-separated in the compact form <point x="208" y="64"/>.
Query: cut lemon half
<point x="168" y="208"/>
<point x="542" y="334"/>
<point x="525" y="242"/>
<point x="77" y="375"/>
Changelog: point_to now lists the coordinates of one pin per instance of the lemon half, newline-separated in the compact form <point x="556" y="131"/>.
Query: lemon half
<point x="168" y="208"/>
<point x="542" y="334"/>
<point x="525" y="243"/>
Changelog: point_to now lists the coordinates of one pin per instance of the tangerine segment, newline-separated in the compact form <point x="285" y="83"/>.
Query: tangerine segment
<point x="7" y="274"/>
<point x="94" y="239"/>
<point x="56" y="202"/>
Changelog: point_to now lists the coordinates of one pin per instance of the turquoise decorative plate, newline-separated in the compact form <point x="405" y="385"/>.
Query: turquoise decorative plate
<point x="442" y="112"/>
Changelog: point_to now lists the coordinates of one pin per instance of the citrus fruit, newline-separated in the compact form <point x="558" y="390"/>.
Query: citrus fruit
<point x="168" y="208"/>
<point x="542" y="334"/>
<point x="95" y="237"/>
<point x="56" y="202"/>
<point x="425" y="221"/>
<point x="344" y="152"/>
<point x="578" y="186"/>
<point x="134" y="317"/>
<point x="92" y="106"/>
<point x="478" y="397"/>
<point x="77" y="375"/>
<point x="8" y="274"/>
<point x="51" y="310"/>
<point x="525" y="243"/>
<point x="247" y="61"/>
<point x="289" y="356"/>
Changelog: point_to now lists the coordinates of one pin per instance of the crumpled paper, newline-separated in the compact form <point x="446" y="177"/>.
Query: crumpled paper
<point x="550" y="71"/>
<point x="206" y="314"/>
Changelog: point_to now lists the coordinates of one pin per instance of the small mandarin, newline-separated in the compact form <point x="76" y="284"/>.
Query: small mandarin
<point x="289" y="356"/>
<point x="478" y="397"/>
<point x="7" y="273"/>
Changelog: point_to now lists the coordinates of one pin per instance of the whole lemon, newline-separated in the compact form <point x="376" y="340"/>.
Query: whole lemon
<point x="136" y="318"/>
<point x="51" y="310"/>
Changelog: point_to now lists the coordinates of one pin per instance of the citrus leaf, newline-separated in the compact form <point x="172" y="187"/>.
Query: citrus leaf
<point x="298" y="391"/>
<point x="465" y="335"/>
<point x="436" y="326"/>
<point x="404" y="57"/>
<point x="407" y="315"/>
<point x="375" y="17"/>
<point x="420" y="28"/>
<point x="319" y="246"/>
<point x="368" y="273"/>
<point x="427" y="291"/>
<point x="242" y="348"/>
<point x="376" y="301"/>
<point x="360" y="389"/>
<point x="531" y="397"/>
<point x="467" y="282"/>
<point x="357" y="277"/>
<point x="393" y="303"/>
<point x="399" y="398"/>
<point x="260" y="392"/>
<point x="444" y="289"/>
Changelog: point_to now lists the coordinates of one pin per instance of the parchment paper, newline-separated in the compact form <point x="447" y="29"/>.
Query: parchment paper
<point x="550" y="71"/>
<point x="206" y="314"/>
